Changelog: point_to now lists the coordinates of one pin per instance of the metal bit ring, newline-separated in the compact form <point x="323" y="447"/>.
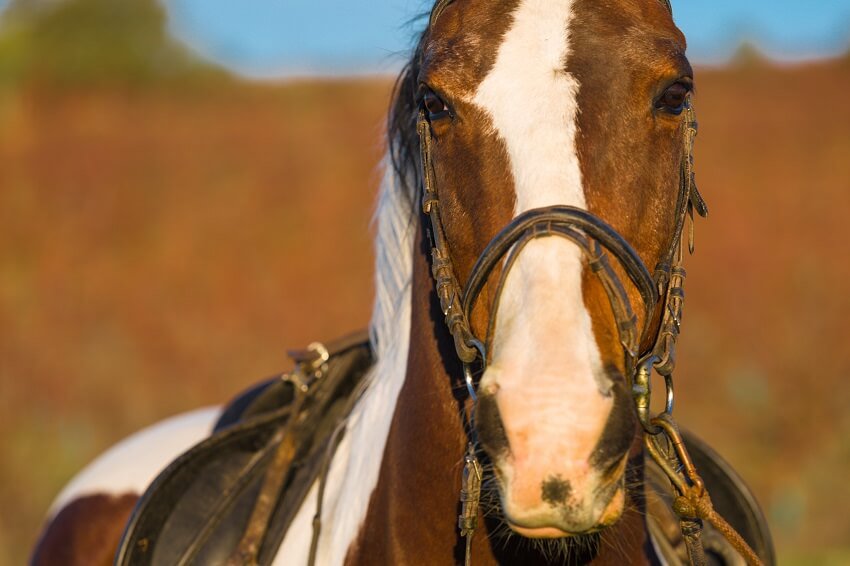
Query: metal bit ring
<point x="467" y="368"/>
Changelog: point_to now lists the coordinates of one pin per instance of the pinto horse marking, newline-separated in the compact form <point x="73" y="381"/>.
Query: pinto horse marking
<point x="88" y="516"/>
<point x="86" y="531"/>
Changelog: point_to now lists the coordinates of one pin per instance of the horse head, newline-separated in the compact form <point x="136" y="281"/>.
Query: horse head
<point x="526" y="105"/>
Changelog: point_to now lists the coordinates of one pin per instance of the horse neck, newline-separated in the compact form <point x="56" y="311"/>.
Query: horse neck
<point x="412" y="512"/>
<point x="412" y="515"/>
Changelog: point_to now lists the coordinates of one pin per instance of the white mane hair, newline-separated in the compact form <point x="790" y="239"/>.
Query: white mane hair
<point x="393" y="262"/>
<point x="356" y="466"/>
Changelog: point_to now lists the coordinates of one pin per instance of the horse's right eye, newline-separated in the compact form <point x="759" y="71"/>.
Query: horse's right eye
<point x="434" y="105"/>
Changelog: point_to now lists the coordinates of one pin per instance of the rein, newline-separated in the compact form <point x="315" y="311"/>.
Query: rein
<point x="664" y="289"/>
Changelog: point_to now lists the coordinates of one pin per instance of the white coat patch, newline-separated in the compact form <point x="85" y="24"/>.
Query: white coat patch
<point x="132" y="464"/>
<point x="544" y="348"/>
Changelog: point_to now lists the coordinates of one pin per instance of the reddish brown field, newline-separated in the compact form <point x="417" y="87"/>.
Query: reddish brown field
<point x="160" y="249"/>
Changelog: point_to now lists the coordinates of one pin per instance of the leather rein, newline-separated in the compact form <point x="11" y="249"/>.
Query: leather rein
<point x="662" y="290"/>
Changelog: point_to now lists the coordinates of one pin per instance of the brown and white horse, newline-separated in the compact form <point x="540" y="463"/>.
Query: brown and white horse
<point x="530" y="103"/>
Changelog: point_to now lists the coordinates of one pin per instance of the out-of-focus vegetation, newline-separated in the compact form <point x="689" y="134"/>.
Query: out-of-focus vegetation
<point x="167" y="231"/>
<point x="61" y="43"/>
<point x="764" y="359"/>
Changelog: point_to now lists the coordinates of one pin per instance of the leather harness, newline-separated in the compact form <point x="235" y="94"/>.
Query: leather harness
<point x="231" y="498"/>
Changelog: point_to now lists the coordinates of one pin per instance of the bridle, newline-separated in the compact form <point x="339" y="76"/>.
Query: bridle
<point x="663" y="290"/>
<point x="593" y="236"/>
<point x="596" y="239"/>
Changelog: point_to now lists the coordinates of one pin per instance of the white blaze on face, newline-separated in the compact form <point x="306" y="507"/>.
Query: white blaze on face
<point x="546" y="370"/>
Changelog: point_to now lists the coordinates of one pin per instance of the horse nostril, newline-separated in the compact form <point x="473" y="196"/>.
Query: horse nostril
<point x="614" y="470"/>
<point x="491" y="431"/>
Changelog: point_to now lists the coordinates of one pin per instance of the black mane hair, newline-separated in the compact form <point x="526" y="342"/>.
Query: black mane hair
<point x="402" y="138"/>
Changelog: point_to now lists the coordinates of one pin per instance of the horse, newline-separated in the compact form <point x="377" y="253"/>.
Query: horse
<point x="529" y="143"/>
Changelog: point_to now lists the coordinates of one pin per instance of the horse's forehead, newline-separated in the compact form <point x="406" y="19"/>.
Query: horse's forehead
<point x="626" y="35"/>
<point x="463" y="43"/>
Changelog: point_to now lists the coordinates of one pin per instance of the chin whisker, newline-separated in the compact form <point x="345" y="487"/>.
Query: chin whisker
<point x="577" y="549"/>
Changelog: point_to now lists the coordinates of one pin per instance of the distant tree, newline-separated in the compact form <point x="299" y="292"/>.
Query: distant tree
<point x="93" y="41"/>
<point x="749" y="55"/>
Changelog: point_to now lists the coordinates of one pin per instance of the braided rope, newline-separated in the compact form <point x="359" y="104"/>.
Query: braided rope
<point x="695" y="503"/>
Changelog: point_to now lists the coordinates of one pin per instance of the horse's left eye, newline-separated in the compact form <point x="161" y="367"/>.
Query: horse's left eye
<point x="673" y="99"/>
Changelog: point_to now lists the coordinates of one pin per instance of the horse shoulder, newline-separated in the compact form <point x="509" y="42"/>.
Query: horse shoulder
<point x="87" y="518"/>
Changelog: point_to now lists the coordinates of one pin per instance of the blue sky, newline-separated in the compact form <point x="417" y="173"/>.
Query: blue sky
<point x="268" y="38"/>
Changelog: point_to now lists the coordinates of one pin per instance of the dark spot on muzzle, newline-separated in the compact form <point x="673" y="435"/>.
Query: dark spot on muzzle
<point x="555" y="491"/>
<point x="619" y="431"/>
<point x="491" y="431"/>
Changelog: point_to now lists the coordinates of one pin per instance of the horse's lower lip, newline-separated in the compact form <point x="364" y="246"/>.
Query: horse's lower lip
<point x="609" y="516"/>
<point x="545" y="532"/>
<point x="539" y="532"/>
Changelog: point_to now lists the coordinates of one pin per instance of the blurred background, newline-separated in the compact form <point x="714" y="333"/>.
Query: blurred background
<point x="186" y="188"/>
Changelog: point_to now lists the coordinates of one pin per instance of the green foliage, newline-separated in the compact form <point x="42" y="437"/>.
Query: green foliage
<point x="83" y="42"/>
<point x="749" y="56"/>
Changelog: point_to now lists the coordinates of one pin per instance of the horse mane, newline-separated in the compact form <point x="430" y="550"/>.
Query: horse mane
<point x="402" y="139"/>
<point x="356" y="468"/>
<point x="396" y="206"/>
